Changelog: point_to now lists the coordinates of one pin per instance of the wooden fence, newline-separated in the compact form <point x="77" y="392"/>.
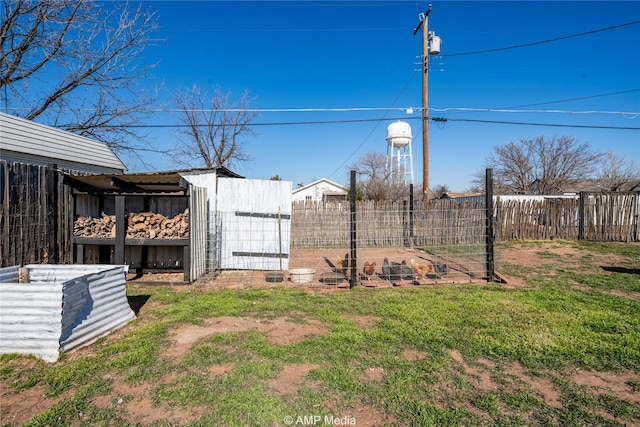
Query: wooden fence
<point x="387" y="224"/>
<point x="610" y="216"/>
<point x="601" y="216"/>
<point x="35" y="210"/>
<point x="34" y="215"/>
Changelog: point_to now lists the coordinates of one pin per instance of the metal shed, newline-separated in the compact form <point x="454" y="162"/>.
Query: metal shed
<point x="46" y="310"/>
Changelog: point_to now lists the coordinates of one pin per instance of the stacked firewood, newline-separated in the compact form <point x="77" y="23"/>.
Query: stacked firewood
<point x="140" y="225"/>
<point x="149" y="225"/>
<point x="105" y="226"/>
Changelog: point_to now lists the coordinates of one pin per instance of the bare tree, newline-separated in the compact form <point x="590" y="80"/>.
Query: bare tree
<point x="74" y="64"/>
<point x="214" y="129"/>
<point x="617" y="171"/>
<point x="540" y="165"/>
<point x="439" y="191"/>
<point x="377" y="182"/>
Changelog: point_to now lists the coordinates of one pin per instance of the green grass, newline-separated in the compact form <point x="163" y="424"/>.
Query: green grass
<point x="570" y="316"/>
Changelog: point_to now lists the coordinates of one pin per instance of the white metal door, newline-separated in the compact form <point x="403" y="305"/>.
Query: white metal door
<point x="254" y="224"/>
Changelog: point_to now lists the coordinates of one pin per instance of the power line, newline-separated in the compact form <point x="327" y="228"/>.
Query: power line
<point x="382" y="119"/>
<point x="576" y="99"/>
<point x="373" y="129"/>
<point x="408" y="110"/>
<point x="542" y="41"/>
<point x="444" y="120"/>
<point x="631" y="114"/>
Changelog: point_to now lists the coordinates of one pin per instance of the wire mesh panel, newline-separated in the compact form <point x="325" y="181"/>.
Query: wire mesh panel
<point x="393" y="246"/>
<point x="434" y="243"/>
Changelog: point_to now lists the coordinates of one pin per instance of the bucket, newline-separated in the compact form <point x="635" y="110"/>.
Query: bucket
<point x="301" y="275"/>
<point x="274" y="277"/>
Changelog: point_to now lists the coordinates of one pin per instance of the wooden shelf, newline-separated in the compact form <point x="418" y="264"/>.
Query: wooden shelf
<point x="120" y="241"/>
<point x="130" y="242"/>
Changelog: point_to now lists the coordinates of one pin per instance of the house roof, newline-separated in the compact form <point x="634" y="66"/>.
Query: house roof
<point x="578" y="185"/>
<point x="28" y="141"/>
<point x="453" y="195"/>
<point x="342" y="188"/>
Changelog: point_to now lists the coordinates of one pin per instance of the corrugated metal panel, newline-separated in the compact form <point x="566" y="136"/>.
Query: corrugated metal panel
<point x="30" y="318"/>
<point x="93" y="306"/>
<point x="198" y="230"/>
<point x="9" y="274"/>
<point x="63" y="307"/>
<point x="255" y="221"/>
<point x="24" y="136"/>
<point x="208" y="180"/>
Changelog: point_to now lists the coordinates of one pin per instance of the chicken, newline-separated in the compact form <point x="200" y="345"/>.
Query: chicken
<point x="406" y="272"/>
<point x="440" y="268"/>
<point x="343" y="264"/>
<point x="396" y="271"/>
<point x="421" y="270"/>
<point x="386" y="269"/>
<point x="369" y="269"/>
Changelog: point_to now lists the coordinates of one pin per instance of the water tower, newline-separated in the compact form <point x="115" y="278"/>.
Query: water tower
<point x="399" y="155"/>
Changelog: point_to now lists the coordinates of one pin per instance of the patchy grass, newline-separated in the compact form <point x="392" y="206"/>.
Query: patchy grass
<point x="448" y="355"/>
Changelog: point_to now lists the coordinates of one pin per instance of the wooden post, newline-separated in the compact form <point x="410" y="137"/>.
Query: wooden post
<point x="405" y="224"/>
<point x="121" y="231"/>
<point x="354" y="258"/>
<point x="411" y="223"/>
<point x="186" y="263"/>
<point x="489" y="225"/>
<point x="581" y="216"/>
<point x="52" y="214"/>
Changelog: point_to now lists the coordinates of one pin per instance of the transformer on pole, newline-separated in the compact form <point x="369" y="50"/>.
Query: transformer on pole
<point x="430" y="46"/>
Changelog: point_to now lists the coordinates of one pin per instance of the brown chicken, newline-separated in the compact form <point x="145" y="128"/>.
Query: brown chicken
<point x="343" y="264"/>
<point x="369" y="269"/>
<point x="421" y="269"/>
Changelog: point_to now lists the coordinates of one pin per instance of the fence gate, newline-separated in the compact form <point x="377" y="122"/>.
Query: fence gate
<point x="253" y="222"/>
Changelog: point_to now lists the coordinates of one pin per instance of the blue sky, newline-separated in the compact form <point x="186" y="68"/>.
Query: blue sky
<point x="363" y="54"/>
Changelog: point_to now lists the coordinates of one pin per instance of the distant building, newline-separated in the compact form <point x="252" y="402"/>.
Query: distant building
<point x="322" y="190"/>
<point x="575" y="186"/>
<point x="463" y="197"/>
<point x="24" y="141"/>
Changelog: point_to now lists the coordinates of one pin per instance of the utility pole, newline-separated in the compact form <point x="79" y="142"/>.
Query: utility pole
<point x="424" y="23"/>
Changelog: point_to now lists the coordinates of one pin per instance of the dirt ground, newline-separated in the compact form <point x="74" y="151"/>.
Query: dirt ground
<point x="135" y="401"/>
<point x="327" y="275"/>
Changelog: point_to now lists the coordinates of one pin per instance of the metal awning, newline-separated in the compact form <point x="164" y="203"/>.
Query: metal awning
<point x="169" y="182"/>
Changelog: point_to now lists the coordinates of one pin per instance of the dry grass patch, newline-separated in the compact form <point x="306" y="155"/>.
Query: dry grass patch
<point x="291" y="378"/>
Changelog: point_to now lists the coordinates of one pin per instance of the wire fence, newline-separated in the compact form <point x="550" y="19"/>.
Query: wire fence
<point x="451" y="239"/>
<point x="328" y="245"/>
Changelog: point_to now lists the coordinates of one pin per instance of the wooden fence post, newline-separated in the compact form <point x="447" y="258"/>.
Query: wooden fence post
<point x="352" y="209"/>
<point x="121" y="231"/>
<point x="52" y="213"/>
<point x="411" y="223"/>
<point x="405" y="225"/>
<point x="581" y="216"/>
<point x="489" y="224"/>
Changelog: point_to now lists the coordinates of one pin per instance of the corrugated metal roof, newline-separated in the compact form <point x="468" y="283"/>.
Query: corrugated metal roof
<point x="167" y="181"/>
<point x="24" y="140"/>
<point x="63" y="307"/>
<point x="147" y="182"/>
